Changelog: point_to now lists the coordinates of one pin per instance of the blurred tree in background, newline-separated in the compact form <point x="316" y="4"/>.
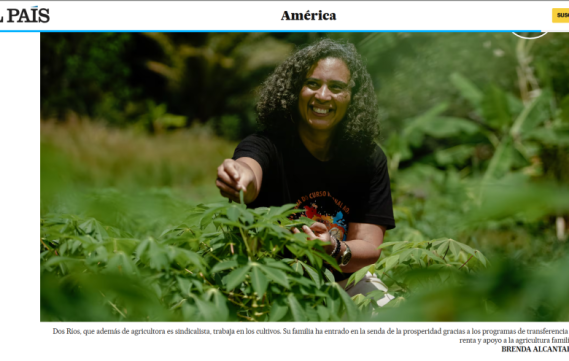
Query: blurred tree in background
<point x="88" y="74"/>
<point x="145" y="78"/>
<point x="122" y="78"/>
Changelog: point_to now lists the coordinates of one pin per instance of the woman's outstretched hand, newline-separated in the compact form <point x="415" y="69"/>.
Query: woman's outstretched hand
<point x="318" y="231"/>
<point x="234" y="176"/>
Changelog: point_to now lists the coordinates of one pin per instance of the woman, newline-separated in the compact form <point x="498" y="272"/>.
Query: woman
<point x="319" y="114"/>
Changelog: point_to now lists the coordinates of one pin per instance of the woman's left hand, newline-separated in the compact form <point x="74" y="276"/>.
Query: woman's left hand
<point x="318" y="231"/>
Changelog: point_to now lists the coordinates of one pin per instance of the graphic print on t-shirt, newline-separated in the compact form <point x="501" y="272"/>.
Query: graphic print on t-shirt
<point x="324" y="208"/>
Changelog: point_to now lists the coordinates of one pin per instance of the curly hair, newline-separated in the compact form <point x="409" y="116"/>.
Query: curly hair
<point x="278" y="101"/>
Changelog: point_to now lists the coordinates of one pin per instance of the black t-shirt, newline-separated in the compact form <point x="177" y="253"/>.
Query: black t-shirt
<point x="347" y="188"/>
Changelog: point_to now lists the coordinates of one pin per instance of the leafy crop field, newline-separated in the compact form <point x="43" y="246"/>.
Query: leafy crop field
<point x="111" y="251"/>
<point x="222" y="263"/>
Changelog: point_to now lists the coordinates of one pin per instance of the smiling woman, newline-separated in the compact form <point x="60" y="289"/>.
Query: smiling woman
<point x="325" y="96"/>
<point x="317" y="150"/>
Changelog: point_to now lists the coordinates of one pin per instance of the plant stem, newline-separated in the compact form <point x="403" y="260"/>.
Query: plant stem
<point x="245" y="240"/>
<point x="397" y="283"/>
<point x="466" y="262"/>
<point x="201" y="275"/>
<point x="116" y="309"/>
<point x="446" y="251"/>
<point x="49" y="248"/>
<point x="230" y="244"/>
<point x="237" y="303"/>
<point x="247" y="318"/>
<point x="255" y="244"/>
<point x="208" y="250"/>
<point x="233" y="294"/>
<point x="113" y="305"/>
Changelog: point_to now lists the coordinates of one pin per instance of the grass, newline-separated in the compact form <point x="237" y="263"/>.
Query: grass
<point x="86" y="155"/>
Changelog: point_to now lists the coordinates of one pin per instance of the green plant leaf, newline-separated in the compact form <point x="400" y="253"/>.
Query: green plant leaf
<point x="297" y="267"/>
<point x="481" y="257"/>
<point x="415" y="130"/>
<point x="184" y="285"/>
<point x="56" y="260"/>
<point x="431" y="255"/>
<point x="222" y="266"/>
<point x="276" y="275"/>
<point x="454" y="248"/>
<point x="359" y="299"/>
<point x="311" y="314"/>
<point x="387" y="244"/>
<point x="185" y="258"/>
<point x="405" y="255"/>
<point x="466" y="248"/>
<point x="328" y="259"/>
<point x="314" y="275"/>
<point x="247" y="216"/>
<point x="376" y="295"/>
<point x="279" y="309"/>
<point x="218" y="221"/>
<point x="233" y="213"/>
<point x="351" y="309"/>
<point x="501" y="161"/>
<point x="122" y="264"/>
<point x="279" y="264"/>
<point x="329" y="275"/>
<point x="220" y="303"/>
<point x="277" y="211"/>
<point x="358" y="275"/>
<point x="297" y="312"/>
<point x="95" y="229"/>
<point x="532" y="114"/>
<point x="323" y="313"/>
<point x="456" y="155"/>
<point x="207" y="218"/>
<point x="390" y="262"/>
<point x="467" y="89"/>
<point x="208" y="311"/>
<point x="445" y="127"/>
<point x="495" y="108"/>
<point x="259" y="281"/>
<point x="235" y="277"/>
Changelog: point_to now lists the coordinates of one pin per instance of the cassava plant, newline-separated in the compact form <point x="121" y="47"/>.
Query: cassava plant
<point x="224" y="262"/>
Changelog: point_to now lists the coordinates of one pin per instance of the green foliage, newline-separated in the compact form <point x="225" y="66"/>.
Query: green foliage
<point x="157" y="120"/>
<point x="506" y="291"/>
<point x="86" y="73"/>
<point x="492" y="179"/>
<point x="477" y="153"/>
<point x="223" y="262"/>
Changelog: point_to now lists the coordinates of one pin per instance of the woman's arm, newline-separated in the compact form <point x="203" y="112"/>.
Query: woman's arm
<point x="242" y="174"/>
<point x="363" y="240"/>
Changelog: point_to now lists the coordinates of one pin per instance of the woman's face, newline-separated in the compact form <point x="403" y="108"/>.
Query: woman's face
<point x="325" y="95"/>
